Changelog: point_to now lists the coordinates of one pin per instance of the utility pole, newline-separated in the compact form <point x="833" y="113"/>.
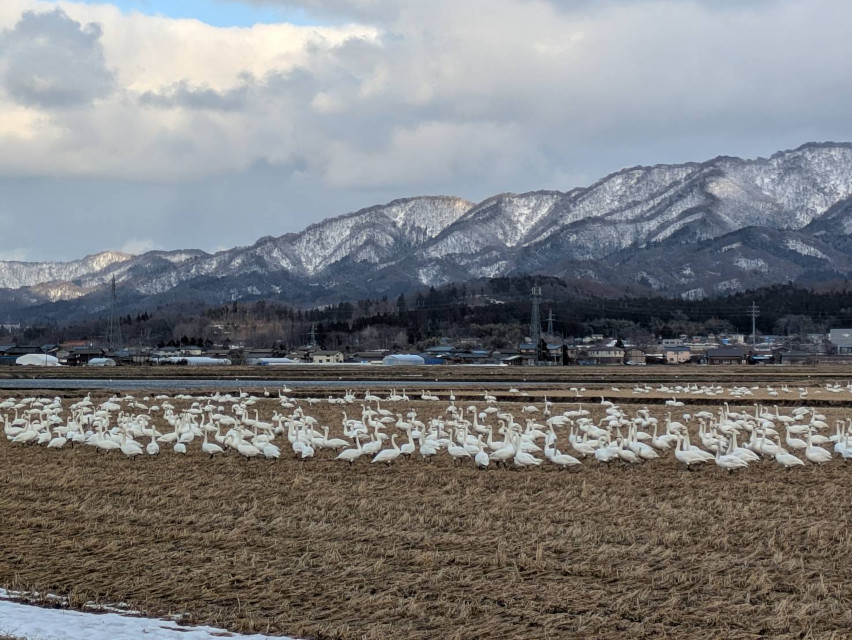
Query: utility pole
<point x="754" y="311"/>
<point x="313" y="341"/>
<point x="550" y="323"/>
<point x="535" y="320"/>
<point x="114" y="340"/>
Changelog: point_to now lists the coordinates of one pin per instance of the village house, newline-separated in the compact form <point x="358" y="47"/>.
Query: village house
<point x="326" y="357"/>
<point x="561" y="354"/>
<point x="79" y="356"/>
<point x="677" y="354"/>
<point x="367" y="357"/>
<point x="634" y="356"/>
<point x="529" y="354"/>
<point x="606" y="355"/>
<point x="790" y="357"/>
<point x="5" y="358"/>
<point x="727" y="355"/>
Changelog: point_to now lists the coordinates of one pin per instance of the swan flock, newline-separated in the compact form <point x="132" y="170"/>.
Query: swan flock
<point x="485" y="436"/>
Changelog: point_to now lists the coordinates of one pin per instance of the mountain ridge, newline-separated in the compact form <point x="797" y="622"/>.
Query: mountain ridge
<point x="788" y="217"/>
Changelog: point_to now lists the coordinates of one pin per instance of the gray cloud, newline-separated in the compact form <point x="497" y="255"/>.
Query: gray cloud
<point x="53" y="61"/>
<point x="185" y="96"/>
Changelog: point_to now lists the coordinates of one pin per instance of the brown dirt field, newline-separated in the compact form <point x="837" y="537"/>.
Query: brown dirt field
<point x="317" y="549"/>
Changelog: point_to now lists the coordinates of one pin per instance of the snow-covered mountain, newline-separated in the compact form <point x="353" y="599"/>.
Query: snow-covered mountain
<point x="14" y="275"/>
<point x="692" y="230"/>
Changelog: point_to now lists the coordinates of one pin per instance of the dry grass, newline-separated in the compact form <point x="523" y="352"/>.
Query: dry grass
<point x="321" y="550"/>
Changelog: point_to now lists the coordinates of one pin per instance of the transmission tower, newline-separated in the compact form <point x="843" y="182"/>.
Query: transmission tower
<point x="313" y="341"/>
<point x="754" y="311"/>
<point x="114" y="340"/>
<point x="535" y="320"/>
<point x="550" y="323"/>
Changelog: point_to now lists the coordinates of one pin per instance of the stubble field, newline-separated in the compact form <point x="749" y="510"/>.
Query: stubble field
<point x="319" y="549"/>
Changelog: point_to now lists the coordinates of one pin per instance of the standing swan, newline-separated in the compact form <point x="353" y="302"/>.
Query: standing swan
<point x="388" y="455"/>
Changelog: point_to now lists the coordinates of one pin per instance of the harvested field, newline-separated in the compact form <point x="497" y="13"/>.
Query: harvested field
<point x="319" y="549"/>
<point x="491" y="375"/>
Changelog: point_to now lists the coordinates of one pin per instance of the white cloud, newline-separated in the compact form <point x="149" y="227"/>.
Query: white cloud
<point x="14" y="255"/>
<point x="136" y="246"/>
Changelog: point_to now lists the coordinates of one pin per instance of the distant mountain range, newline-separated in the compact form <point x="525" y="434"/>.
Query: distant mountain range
<point x="690" y="230"/>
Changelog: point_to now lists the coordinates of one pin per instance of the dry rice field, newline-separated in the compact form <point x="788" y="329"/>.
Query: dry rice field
<point x="319" y="549"/>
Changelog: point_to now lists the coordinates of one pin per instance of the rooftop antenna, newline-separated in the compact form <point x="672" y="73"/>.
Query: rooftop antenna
<point x="114" y="340"/>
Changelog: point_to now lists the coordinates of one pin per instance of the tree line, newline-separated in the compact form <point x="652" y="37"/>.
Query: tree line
<point x="494" y="313"/>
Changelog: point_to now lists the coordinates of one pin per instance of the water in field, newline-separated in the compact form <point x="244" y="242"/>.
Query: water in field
<point x="180" y="385"/>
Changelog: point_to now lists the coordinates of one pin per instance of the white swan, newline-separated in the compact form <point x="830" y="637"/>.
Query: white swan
<point x="816" y="455"/>
<point x="687" y="456"/>
<point x="787" y="460"/>
<point x="388" y="455"/>
<point x="209" y="448"/>
<point x="351" y="455"/>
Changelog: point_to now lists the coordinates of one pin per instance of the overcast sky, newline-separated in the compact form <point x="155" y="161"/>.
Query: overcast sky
<point x="208" y="123"/>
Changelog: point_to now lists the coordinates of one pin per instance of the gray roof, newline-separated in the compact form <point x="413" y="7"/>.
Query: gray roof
<point x="726" y="352"/>
<point x="840" y="337"/>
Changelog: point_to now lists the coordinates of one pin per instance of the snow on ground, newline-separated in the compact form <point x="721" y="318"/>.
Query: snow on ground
<point x="31" y="622"/>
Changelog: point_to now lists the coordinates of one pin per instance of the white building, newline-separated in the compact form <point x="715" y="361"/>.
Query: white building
<point x="841" y="340"/>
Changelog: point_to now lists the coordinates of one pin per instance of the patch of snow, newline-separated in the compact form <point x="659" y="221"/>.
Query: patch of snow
<point x="176" y="257"/>
<point x="60" y="291"/>
<point x="669" y="230"/>
<point x="653" y="282"/>
<point x="752" y="264"/>
<point x="804" y="249"/>
<point x="733" y="286"/>
<point x="29" y="621"/>
<point x="491" y="270"/>
<point x="431" y="276"/>
<point x="694" y="294"/>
